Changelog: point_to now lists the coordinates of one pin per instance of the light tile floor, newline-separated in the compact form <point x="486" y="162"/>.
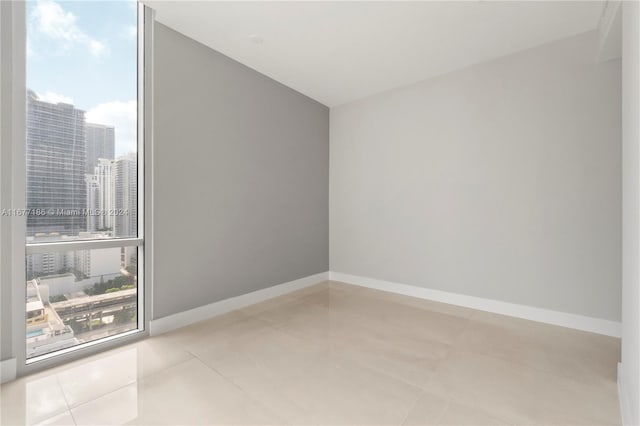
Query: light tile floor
<point x="335" y="354"/>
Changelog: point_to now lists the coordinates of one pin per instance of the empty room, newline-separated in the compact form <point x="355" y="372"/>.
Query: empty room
<point x="319" y="212"/>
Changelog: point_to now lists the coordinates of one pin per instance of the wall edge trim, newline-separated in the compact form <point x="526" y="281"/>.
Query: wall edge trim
<point x="8" y="370"/>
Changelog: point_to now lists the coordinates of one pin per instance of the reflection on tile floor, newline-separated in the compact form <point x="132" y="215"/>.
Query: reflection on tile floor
<point x="335" y="354"/>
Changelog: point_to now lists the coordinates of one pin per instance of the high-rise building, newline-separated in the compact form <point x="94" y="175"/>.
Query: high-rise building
<point x="105" y="179"/>
<point x="100" y="144"/>
<point x="56" y="155"/>
<point x="125" y="196"/>
<point x="96" y="263"/>
<point x="82" y="263"/>
<point x="100" y="193"/>
<point x="93" y="202"/>
<point x="50" y="263"/>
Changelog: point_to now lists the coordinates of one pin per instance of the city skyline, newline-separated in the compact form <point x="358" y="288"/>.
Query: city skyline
<point x="61" y="149"/>
<point x="82" y="170"/>
<point x="60" y="284"/>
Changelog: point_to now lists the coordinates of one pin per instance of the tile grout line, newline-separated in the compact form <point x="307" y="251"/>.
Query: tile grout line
<point x="529" y="367"/>
<point x="415" y="404"/>
<point x="500" y="416"/>
<point x="137" y="380"/>
<point x="236" y="385"/>
<point x="364" y="366"/>
<point x="66" y="401"/>
<point x="455" y="346"/>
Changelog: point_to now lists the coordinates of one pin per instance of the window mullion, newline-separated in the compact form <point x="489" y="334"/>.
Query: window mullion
<point x="83" y="245"/>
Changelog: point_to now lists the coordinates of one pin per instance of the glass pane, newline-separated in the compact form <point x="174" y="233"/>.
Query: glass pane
<point x="79" y="296"/>
<point x="81" y="120"/>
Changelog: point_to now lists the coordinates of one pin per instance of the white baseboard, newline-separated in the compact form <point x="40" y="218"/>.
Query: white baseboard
<point x="8" y="370"/>
<point x="181" y="319"/>
<point x="563" y="319"/>
<point x="625" y="408"/>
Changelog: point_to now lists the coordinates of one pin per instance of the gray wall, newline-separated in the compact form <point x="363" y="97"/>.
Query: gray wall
<point x="502" y="181"/>
<point x="630" y="375"/>
<point x="241" y="178"/>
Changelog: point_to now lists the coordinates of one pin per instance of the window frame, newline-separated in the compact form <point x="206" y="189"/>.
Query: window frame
<point x="21" y="248"/>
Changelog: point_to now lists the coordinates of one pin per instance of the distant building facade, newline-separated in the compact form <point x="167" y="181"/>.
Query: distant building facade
<point x="93" y="202"/>
<point x="125" y="196"/>
<point x="82" y="263"/>
<point x="56" y="156"/>
<point x="100" y="193"/>
<point x="101" y="143"/>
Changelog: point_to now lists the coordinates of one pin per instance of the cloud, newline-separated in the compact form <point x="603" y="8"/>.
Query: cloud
<point x="97" y="48"/>
<point x="133" y="5"/>
<point x="51" y="20"/>
<point x="121" y="115"/>
<point x="54" y="98"/>
<point x="130" y="32"/>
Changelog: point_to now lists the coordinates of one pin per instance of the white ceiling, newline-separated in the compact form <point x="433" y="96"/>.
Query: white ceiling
<point x="337" y="52"/>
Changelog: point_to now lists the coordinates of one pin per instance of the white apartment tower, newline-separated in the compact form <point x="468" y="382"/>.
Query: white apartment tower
<point x="125" y="196"/>
<point x="93" y="202"/>
<point x="100" y="194"/>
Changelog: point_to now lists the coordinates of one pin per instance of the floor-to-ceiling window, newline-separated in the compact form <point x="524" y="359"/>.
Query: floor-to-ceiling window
<point x="84" y="191"/>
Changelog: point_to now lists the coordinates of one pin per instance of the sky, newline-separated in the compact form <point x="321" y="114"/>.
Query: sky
<point x="85" y="53"/>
